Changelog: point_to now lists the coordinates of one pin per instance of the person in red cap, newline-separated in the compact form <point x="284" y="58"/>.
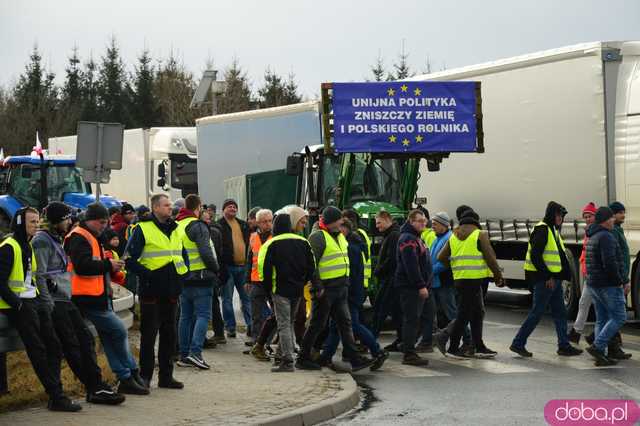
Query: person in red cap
<point x="588" y="214"/>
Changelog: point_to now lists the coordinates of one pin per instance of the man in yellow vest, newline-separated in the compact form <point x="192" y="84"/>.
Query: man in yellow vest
<point x="257" y="293"/>
<point x="27" y="312"/>
<point x="156" y="256"/>
<point x="330" y="291"/>
<point x="197" y="295"/>
<point x="428" y="235"/>
<point x="473" y="261"/>
<point x="354" y="218"/>
<point x="545" y="266"/>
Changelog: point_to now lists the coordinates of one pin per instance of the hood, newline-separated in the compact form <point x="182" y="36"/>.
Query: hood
<point x="81" y="201"/>
<point x="184" y="213"/>
<point x="393" y="228"/>
<point x="356" y="240"/>
<point x="407" y="228"/>
<point x="281" y="224"/>
<point x="550" y="213"/>
<point x="595" y="228"/>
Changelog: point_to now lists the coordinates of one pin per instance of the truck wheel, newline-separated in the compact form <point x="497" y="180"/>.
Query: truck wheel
<point x="570" y="289"/>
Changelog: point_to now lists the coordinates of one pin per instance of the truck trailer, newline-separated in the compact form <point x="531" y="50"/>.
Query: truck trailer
<point x="560" y="125"/>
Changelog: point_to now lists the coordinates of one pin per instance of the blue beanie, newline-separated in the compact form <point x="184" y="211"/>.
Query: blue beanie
<point x="617" y="207"/>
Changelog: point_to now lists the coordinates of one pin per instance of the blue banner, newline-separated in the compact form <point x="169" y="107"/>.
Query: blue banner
<point x="411" y="116"/>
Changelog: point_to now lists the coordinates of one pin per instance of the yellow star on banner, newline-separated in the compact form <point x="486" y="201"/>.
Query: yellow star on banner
<point x="406" y="142"/>
<point x="391" y="92"/>
<point x="417" y="92"/>
<point x="404" y="87"/>
<point x="419" y="138"/>
<point x="392" y="138"/>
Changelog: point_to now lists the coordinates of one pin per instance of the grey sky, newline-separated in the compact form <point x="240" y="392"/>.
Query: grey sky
<point x="317" y="40"/>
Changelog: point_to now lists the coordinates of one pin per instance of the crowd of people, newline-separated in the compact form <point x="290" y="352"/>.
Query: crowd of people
<point x="302" y="295"/>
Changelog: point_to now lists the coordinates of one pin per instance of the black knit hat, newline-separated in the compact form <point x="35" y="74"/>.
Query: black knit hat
<point x="57" y="212"/>
<point x="331" y="214"/>
<point x="126" y="209"/>
<point x="617" y="207"/>
<point x="96" y="211"/>
<point x="603" y="214"/>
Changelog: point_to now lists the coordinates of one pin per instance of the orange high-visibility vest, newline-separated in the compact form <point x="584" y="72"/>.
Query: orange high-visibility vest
<point x="86" y="285"/>
<point x="255" y="243"/>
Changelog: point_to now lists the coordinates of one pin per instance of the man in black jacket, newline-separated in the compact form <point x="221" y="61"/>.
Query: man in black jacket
<point x="160" y="287"/>
<point x="285" y="264"/>
<point x="235" y="240"/>
<point x="386" y="301"/>
<point x="197" y="295"/>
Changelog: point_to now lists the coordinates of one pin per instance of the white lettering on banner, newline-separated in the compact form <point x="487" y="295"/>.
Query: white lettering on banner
<point x="406" y="128"/>
<point x="436" y="115"/>
<point x="373" y="102"/>
<point x="383" y="115"/>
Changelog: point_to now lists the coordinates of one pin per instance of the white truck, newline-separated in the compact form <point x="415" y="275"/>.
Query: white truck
<point x="246" y="143"/>
<point x="154" y="160"/>
<point x="561" y="125"/>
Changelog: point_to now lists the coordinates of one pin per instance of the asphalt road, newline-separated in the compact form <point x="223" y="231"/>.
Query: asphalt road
<point x="508" y="390"/>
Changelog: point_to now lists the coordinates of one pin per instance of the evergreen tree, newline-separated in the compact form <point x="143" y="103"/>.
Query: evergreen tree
<point x="89" y="87"/>
<point x="113" y="88"/>
<point x="72" y="100"/>
<point x="378" y="69"/>
<point x="145" y="105"/>
<point x="291" y="95"/>
<point x="173" y="88"/>
<point x="271" y="94"/>
<point x="237" y="96"/>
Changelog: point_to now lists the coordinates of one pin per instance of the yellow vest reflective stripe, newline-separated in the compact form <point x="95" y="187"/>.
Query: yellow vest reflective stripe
<point x="366" y="259"/>
<point x="550" y="255"/>
<point x="16" y="276"/>
<point x="428" y="236"/>
<point x="195" y="261"/>
<point x="159" y="250"/>
<point x="334" y="262"/>
<point x="262" y="255"/>
<point x="467" y="262"/>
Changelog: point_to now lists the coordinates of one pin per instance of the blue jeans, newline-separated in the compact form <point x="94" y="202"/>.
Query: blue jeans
<point x="359" y="330"/>
<point x="611" y="314"/>
<point x="543" y="296"/>
<point x="114" y="337"/>
<point x="195" y="314"/>
<point x="236" y="279"/>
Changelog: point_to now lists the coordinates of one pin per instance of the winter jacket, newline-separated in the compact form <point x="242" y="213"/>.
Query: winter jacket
<point x="357" y="247"/>
<point x="227" y="239"/>
<point x="198" y="232"/>
<point x="52" y="278"/>
<point x="442" y="275"/>
<point x="291" y="260"/>
<point x="163" y="282"/>
<point x="618" y="232"/>
<point x="119" y="226"/>
<point x="605" y="263"/>
<point x="414" y="262"/>
<point x="538" y="241"/>
<point x="462" y="232"/>
<point x="386" y="266"/>
<point x="79" y="251"/>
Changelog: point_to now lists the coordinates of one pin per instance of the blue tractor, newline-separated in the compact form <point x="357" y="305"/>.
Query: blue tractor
<point x="36" y="181"/>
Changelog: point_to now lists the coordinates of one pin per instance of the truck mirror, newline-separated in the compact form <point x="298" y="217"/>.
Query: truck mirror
<point x="162" y="172"/>
<point x="294" y="165"/>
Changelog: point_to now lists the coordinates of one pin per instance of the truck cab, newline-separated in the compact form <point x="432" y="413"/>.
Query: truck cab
<point x="174" y="154"/>
<point x="33" y="181"/>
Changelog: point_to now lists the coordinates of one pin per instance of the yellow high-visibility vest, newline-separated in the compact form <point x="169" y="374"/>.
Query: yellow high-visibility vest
<point x="334" y="262"/>
<point x="428" y="236"/>
<point x="467" y="262"/>
<point x="262" y="254"/>
<point x="159" y="250"/>
<point x="366" y="259"/>
<point x="16" y="276"/>
<point x="195" y="261"/>
<point x="551" y="253"/>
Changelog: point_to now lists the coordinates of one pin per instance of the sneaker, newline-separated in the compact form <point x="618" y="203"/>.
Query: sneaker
<point x="455" y="353"/>
<point x="590" y="338"/>
<point x="569" y="351"/>
<point x="170" y="383"/>
<point x="379" y="360"/>
<point x="574" y="336"/>
<point x="63" y="404"/>
<point x="608" y="363"/>
<point x="283" y="367"/>
<point x="484" y="352"/>
<point x="259" y="353"/>
<point x="359" y="362"/>
<point x="597" y="354"/>
<point x="104" y="395"/>
<point x="307" y="364"/>
<point x="424" y="348"/>
<point x="618" y="353"/>
<point x="393" y="347"/>
<point x="138" y="378"/>
<point x="199" y="362"/>
<point x="130" y="386"/>
<point x="185" y="362"/>
<point x="441" y="338"/>
<point x="210" y="344"/>
<point x="340" y="367"/>
<point x="415" y="360"/>
<point x="520" y="351"/>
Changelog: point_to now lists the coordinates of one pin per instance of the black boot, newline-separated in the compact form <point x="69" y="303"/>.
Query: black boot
<point x="139" y="379"/>
<point x="615" y="349"/>
<point x="574" y="336"/>
<point x="62" y="403"/>
<point x="130" y="386"/>
<point x="170" y="383"/>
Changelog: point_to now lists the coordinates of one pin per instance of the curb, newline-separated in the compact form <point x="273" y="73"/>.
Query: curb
<point x="328" y="409"/>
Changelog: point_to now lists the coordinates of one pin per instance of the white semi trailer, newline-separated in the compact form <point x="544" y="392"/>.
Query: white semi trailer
<point x="155" y="160"/>
<point x="561" y="125"/>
